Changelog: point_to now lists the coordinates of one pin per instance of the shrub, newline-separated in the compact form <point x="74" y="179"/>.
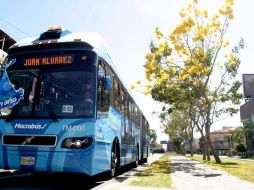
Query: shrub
<point x="158" y="150"/>
<point x="240" y="148"/>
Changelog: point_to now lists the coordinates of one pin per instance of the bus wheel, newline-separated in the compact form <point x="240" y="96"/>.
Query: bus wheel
<point x="114" y="163"/>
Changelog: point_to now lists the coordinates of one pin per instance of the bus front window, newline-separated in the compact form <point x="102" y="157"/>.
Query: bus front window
<point x="54" y="93"/>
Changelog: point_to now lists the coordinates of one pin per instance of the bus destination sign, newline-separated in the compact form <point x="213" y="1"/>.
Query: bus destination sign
<point x="48" y="60"/>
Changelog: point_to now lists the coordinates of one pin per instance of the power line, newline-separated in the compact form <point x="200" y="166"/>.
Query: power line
<point x="21" y="31"/>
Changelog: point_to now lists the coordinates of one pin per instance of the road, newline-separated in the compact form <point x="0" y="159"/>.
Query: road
<point x="52" y="181"/>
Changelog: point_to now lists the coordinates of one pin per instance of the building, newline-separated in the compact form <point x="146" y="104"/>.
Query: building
<point x="5" y="41"/>
<point x="247" y="109"/>
<point x="222" y="139"/>
<point x="247" y="112"/>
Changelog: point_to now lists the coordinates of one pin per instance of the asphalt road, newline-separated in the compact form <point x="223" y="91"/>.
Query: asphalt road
<point x="50" y="181"/>
<point x="46" y="181"/>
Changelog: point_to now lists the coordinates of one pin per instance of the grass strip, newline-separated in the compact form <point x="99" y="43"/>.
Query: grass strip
<point x="156" y="175"/>
<point x="239" y="168"/>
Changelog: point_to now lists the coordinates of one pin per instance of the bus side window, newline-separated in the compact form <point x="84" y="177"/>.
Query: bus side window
<point x="116" y="95"/>
<point x="125" y="117"/>
<point x="103" y="95"/>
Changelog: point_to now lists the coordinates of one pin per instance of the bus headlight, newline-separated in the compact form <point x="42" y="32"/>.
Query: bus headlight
<point x="68" y="143"/>
<point x="76" y="142"/>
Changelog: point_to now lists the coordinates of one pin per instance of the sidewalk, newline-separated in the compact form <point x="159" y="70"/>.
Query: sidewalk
<point x="191" y="175"/>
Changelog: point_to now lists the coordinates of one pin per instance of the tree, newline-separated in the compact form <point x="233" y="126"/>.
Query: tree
<point x="241" y="148"/>
<point x="242" y="133"/>
<point x="153" y="136"/>
<point x="177" y="127"/>
<point x="187" y="66"/>
<point x="239" y="135"/>
<point x="248" y="128"/>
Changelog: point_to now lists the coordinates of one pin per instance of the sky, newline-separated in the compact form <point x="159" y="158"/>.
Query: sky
<point x="127" y="26"/>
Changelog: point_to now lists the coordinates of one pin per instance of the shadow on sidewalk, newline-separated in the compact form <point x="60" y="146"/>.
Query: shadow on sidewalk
<point x="192" y="168"/>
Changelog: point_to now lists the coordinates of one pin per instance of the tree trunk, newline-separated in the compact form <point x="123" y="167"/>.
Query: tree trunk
<point x="204" y="151"/>
<point x="204" y="155"/>
<point x="208" y="151"/>
<point x="191" y="143"/>
<point x="183" y="148"/>
<point x="214" y="153"/>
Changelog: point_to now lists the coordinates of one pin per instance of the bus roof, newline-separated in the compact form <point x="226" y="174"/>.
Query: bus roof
<point x="93" y="39"/>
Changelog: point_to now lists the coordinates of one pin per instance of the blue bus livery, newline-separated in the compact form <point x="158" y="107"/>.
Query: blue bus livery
<point x="64" y="108"/>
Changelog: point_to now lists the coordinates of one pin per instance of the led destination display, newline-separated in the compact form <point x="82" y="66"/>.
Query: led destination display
<point x="49" y="60"/>
<point x="39" y="60"/>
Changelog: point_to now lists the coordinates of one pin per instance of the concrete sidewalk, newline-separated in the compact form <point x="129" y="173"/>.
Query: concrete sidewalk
<point x="186" y="174"/>
<point x="191" y="175"/>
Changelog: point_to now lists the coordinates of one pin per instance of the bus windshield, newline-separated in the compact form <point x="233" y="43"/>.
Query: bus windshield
<point x="54" y="93"/>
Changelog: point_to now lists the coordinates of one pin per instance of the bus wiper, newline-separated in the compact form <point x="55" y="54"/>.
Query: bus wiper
<point x="51" y="113"/>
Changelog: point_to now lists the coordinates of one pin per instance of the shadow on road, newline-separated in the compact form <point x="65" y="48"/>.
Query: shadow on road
<point x="47" y="181"/>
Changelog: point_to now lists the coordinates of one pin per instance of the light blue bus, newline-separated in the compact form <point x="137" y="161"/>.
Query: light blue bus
<point x="65" y="109"/>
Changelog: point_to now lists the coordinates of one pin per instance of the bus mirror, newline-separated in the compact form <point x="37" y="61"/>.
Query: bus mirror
<point x="108" y="83"/>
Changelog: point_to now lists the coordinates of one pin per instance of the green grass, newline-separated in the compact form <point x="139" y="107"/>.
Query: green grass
<point x="156" y="175"/>
<point x="239" y="168"/>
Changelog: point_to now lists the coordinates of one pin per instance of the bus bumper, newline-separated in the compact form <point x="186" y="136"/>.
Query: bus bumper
<point x="48" y="161"/>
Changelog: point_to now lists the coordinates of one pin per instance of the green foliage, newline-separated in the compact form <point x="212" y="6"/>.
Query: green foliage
<point x="241" y="148"/>
<point x="248" y="127"/>
<point x="176" y="126"/>
<point x="158" y="150"/>
<point x="239" y="135"/>
<point x="153" y="136"/>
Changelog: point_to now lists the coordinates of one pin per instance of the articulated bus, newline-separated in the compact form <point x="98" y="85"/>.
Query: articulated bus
<point x="65" y="109"/>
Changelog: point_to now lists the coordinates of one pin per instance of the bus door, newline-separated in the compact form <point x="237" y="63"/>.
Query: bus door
<point x="142" y="136"/>
<point x="129" y="130"/>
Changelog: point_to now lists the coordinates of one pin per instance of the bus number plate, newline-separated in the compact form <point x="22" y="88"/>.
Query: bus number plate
<point x="27" y="160"/>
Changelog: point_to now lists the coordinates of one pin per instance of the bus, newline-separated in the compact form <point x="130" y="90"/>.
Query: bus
<point x="65" y="109"/>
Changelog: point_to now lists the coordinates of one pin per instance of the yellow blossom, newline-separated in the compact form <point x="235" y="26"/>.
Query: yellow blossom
<point x="225" y="43"/>
<point x="197" y="12"/>
<point x="133" y="86"/>
<point x="205" y="13"/>
<point x="158" y="33"/>
<point x="230" y="2"/>
<point x="139" y="82"/>
<point x="182" y="13"/>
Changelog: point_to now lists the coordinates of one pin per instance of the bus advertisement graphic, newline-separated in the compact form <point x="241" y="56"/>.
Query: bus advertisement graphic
<point x="9" y="97"/>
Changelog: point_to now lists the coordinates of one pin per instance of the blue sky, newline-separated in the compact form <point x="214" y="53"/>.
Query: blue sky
<point x="127" y="27"/>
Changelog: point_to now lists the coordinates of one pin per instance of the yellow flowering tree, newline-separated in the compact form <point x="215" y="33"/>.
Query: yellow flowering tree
<point x="195" y="66"/>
